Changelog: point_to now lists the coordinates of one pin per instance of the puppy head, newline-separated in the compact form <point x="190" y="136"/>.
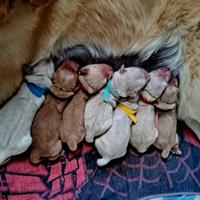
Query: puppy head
<point x="40" y="73"/>
<point x="158" y="82"/>
<point x="171" y="92"/>
<point x="93" y="77"/>
<point x="169" y="98"/>
<point x="129" y="81"/>
<point x="65" y="80"/>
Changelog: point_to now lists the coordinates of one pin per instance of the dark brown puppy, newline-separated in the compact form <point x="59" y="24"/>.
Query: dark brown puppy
<point x="92" y="79"/>
<point x="45" y="127"/>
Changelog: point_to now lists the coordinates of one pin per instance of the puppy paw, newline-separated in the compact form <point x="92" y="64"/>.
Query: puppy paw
<point x="35" y="157"/>
<point x="72" y="145"/>
<point x="103" y="161"/>
<point x="89" y="139"/>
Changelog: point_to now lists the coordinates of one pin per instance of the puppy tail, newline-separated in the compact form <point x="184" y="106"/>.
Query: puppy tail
<point x="103" y="161"/>
<point x="34" y="157"/>
<point x="175" y="150"/>
<point x="72" y="145"/>
<point x="89" y="139"/>
<point x="165" y="153"/>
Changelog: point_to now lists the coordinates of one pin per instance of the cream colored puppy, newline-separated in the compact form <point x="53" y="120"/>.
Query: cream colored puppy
<point x="167" y="121"/>
<point x="145" y="132"/>
<point x="17" y="115"/>
<point x="114" y="142"/>
<point x="99" y="109"/>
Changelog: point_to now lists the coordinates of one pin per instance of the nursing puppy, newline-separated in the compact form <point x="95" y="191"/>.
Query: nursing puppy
<point x="92" y="78"/>
<point x="17" y="115"/>
<point x="165" y="31"/>
<point x="114" y="142"/>
<point x="65" y="80"/>
<point x="167" y="121"/>
<point x="158" y="82"/>
<point x="145" y="132"/>
<point x="99" y="111"/>
<point x="46" y="125"/>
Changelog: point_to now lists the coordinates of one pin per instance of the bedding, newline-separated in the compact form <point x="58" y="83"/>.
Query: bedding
<point x="135" y="176"/>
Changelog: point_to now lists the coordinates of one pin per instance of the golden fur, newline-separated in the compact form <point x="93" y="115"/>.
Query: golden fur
<point x="121" y="27"/>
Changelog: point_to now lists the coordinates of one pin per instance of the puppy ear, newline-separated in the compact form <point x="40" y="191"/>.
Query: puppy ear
<point x="122" y="69"/>
<point x="27" y="69"/>
<point x="110" y="74"/>
<point x="108" y="71"/>
<point x="174" y="82"/>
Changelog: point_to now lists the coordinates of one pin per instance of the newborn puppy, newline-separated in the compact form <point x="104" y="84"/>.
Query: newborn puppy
<point x="158" y="82"/>
<point x="99" y="108"/>
<point x="17" y="115"/>
<point x="46" y="124"/>
<point x="92" y="78"/>
<point x="65" y="80"/>
<point x="169" y="98"/>
<point x="114" y="142"/>
<point x="167" y="121"/>
<point x="145" y="132"/>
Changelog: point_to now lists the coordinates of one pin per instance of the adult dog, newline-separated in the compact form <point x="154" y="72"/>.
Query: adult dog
<point x="166" y="32"/>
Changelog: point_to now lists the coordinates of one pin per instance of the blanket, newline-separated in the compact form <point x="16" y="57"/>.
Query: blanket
<point x="76" y="176"/>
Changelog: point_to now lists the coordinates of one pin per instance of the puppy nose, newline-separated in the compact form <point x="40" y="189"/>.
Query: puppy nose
<point x="84" y="71"/>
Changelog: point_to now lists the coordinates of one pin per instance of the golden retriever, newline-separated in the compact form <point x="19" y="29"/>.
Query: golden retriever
<point x="168" y="30"/>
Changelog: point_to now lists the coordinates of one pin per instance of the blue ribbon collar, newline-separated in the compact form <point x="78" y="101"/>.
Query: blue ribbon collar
<point x="109" y="90"/>
<point x="36" y="90"/>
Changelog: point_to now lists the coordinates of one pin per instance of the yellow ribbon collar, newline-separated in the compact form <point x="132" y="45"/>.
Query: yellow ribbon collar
<point x="128" y="111"/>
